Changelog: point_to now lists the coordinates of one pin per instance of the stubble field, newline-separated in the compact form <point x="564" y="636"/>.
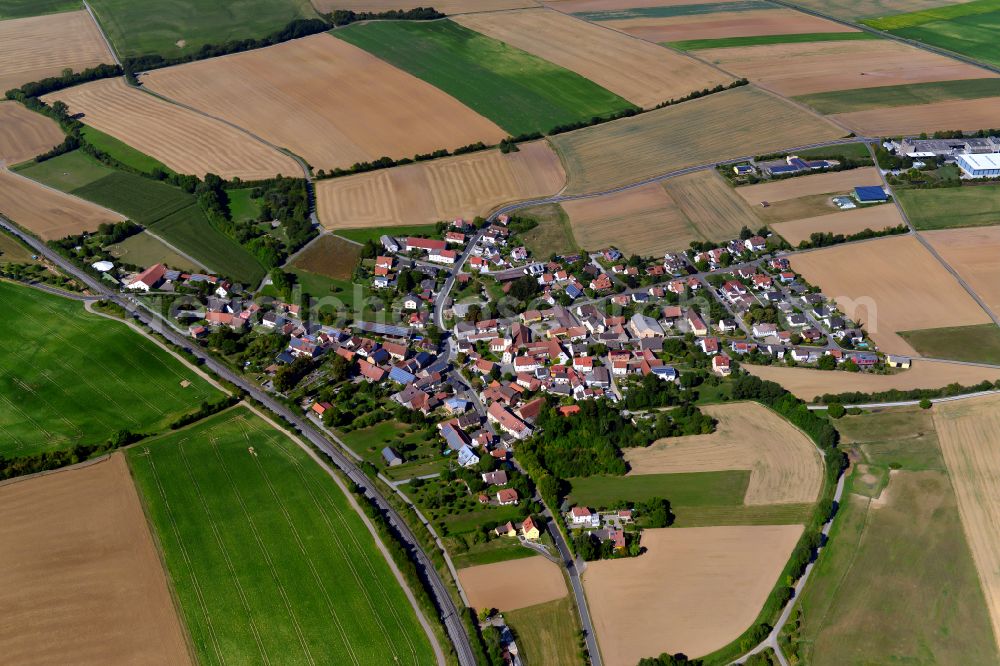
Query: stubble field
<point x="963" y="114"/>
<point x="802" y="186"/>
<point x="642" y="73"/>
<point x="845" y="222"/>
<point x="902" y="288"/>
<point x="445" y="6"/>
<point x="972" y="252"/>
<point x="81" y="581"/>
<point x="501" y="585"/>
<point x="24" y="134"/>
<point x="693" y="591"/>
<point x="852" y="9"/>
<point x="724" y="24"/>
<point x="724" y="125"/>
<point x="348" y="105"/>
<point x="268" y="558"/>
<point x="34" y="48"/>
<point x="861" y="99"/>
<point x="47" y="213"/>
<point x="185" y="141"/>
<point x="445" y="189"/>
<point x="784" y="465"/>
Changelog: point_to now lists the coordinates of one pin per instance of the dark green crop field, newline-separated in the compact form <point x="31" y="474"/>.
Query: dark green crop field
<point x="968" y="28"/>
<point x="518" y="91"/>
<point x="10" y="9"/>
<point x="843" y="101"/>
<point x="268" y="560"/>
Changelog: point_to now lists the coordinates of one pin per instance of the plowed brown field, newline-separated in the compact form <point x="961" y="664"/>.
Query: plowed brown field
<point x="726" y="24"/>
<point x="785" y="467"/>
<point x="446" y="6"/>
<point x="807" y="383"/>
<point x="693" y="591"/>
<point x="643" y="73"/>
<point x="799" y="69"/>
<point x="845" y="222"/>
<point x="889" y="285"/>
<point x="185" y="141"/>
<point x="80" y="578"/>
<point x="327" y="101"/>
<point x="802" y="186"/>
<point x="24" y="133"/>
<point x="973" y="253"/>
<point x="513" y="584"/>
<point x="426" y="192"/>
<point x="966" y="114"/>
<point x="41" y="46"/>
<point x="968" y="432"/>
<point x="47" y="213"/>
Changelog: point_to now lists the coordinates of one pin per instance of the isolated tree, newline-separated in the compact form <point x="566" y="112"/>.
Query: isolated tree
<point x="827" y="362"/>
<point x="836" y="410"/>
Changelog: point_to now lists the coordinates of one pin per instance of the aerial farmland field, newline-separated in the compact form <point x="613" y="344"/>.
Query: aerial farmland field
<point x="47" y="213"/>
<point x="446" y="6"/>
<point x="642" y="73"/>
<point x="268" y="558"/>
<point x="862" y="99"/>
<point x="954" y="114"/>
<point x="22" y="8"/>
<point x="493" y="585"/>
<point x="425" y="192"/>
<point x="761" y="40"/>
<point x="802" y="186"/>
<point x="518" y="91"/>
<point x="185" y="141"/>
<point x="24" y="133"/>
<point x="845" y="222"/>
<point x="968" y="28"/>
<point x="972" y="252"/>
<point x="724" y="125"/>
<point x="145" y="250"/>
<point x="348" y="105"/>
<point x="854" y="9"/>
<point x="950" y="207"/>
<point x="71" y="377"/>
<point x="34" y="48"/>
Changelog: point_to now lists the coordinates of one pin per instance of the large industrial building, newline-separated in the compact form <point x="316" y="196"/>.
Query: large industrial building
<point x="985" y="165"/>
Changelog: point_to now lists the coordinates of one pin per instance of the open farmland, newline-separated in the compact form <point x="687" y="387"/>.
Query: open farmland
<point x="498" y="585"/>
<point x="759" y="40"/>
<point x="784" y="464"/>
<point x="47" y="213"/>
<point x="34" y="48"/>
<point x="724" y="125"/>
<point x="518" y="91"/>
<point x="950" y="207"/>
<point x="331" y="256"/>
<point x="901" y="288"/>
<point x="861" y="99"/>
<point x="69" y="377"/>
<point x="710" y="204"/>
<point x="642" y="73"/>
<point x="972" y="252"/>
<point x="693" y="591"/>
<point x="967" y="431"/>
<point x="547" y="633"/>
<point x="554" y="233"/>
<point x="21" y="8"/>
<point x="801" y="69"/>
<point x="821" y="183"/>
<point x="81" y="581"/>
<point x="172" y="28"/>
<point x="979" y="343"/>
<point x="24" y="133"/>
<point x="348" y="105"/>
<point x="966" y="114"/>
<point x="185" y="141"/>
<point x="846" y="222"/>
<point x="426" y="192"/>
<point x="145" y="250"/>
<point x="853" y="9"/>
<point x="445" y="6"/>
<point x="808" y="383"/>
<point x="268" y="557"/>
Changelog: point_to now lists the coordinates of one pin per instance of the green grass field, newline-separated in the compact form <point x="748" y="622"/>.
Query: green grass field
<point x="671" y="11"/>
<point x="13" y="251"/>
<point x="242" y="206"/>
<point x="123" y="152"/>
<point x="11" y="9"/>
<point x="553" y="235"/>
<point x="897" y="583"/>
<point x="857" y="151"/>
<point x="843" y="101"/>
<point x="366" y="234"/>
<point x="144" y="250"/>
<point x="518" y="91"/>
<point x="686" y="489"/>
<point x="69" y="377"/>
<point x="499" y="549"/>
<point x="547" y="633"/>
<point x="174" y="28"/>
<point x="738" y="514"/>
<point x="331" y="256"/>
<point x="418" y="448"/>
<point x="949" y="207"/>
<point x="967" y="28"/>
<point x="762" y="40"/>
<point x="979" y="343"/>
<point x="268" y="560"/>
<point x="67" y="172"/>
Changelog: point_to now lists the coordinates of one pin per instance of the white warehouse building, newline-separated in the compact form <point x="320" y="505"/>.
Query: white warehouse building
<point x="985" y="165"/>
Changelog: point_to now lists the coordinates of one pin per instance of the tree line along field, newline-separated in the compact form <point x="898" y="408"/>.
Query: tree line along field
<point x="968" y="28"/>
<point x="518" y="91"/>
<point x="24" y="134"/>
<point x="70" y="377"/>
<point x="267" y="557"/>
<point x="167" y="210"/>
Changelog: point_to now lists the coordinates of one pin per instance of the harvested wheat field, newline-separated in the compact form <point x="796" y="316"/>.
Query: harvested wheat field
<point x="48" y="213"/>
<point x="444" y="189"/>
<point x="643" y="73"/>
<point x="710" y="204"/>
<point x="327" y="101"/>
<point x="580" y="6"/>
<point x="845" y="222"/>
<point x="785" y="466"/>
<point x="34" y="48"/>
<point x="725" y="125"/>
<point x="445" y="6"/>
<point x="726" y="24"/>
<point x="800" y="69"/>
<point x="969" y="432"/>
<point x="185" y="141"/>
<point x="513" y="584"/>
<point x="966" y="114"/>
<point x="852" y="9"/>
<point x="802" y="186"/>
<point x="889" y="285"/>
<point x="809" y="383"/>
<point x="24" y="133"/>
<point x="694" y="590"/>
<point x="973" y="253"/>
<point x="80" y="578"/>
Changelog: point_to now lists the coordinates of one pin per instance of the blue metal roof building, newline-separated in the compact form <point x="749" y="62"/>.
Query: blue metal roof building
<point x="401" y="376"/>
<point x="870" y="194"/>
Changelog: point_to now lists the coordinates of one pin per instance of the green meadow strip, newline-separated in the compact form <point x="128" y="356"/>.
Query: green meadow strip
<point x="764" y="40"/>
<point x="844" y="101"/>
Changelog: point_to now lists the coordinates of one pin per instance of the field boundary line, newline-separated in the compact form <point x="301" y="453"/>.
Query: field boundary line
<point x="58" y="192"/>
<point x="104" y="36"/>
